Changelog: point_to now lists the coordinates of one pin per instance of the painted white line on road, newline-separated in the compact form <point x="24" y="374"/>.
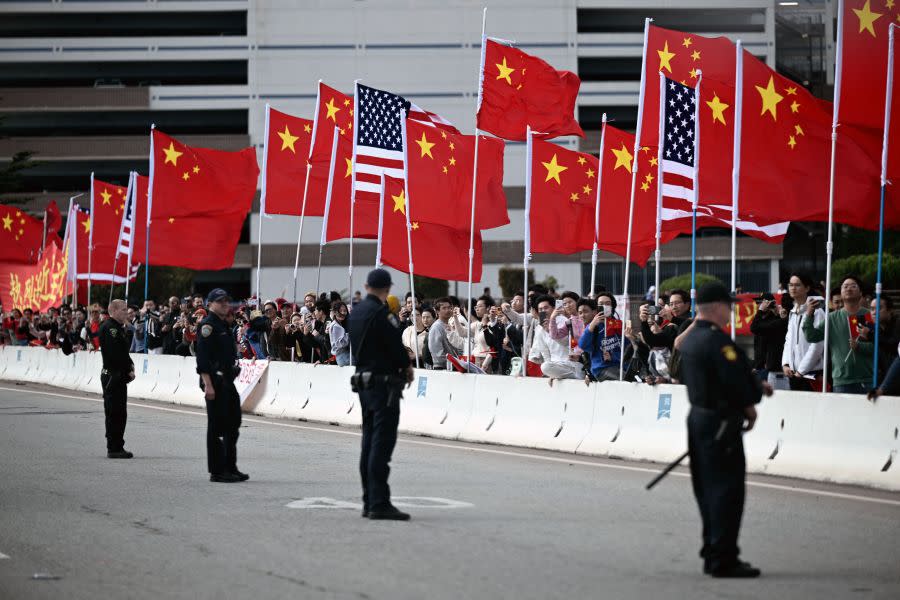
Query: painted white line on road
<point x="2" y="556"/>
<point x="516" y="454"/>
<point x="398" y="501"/>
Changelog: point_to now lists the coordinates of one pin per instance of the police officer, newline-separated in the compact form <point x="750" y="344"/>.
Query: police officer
<point x="117" y="373"/>
<point x="217" y="366"/>
<point x="382" y="371"/>
<point x="723" y="393"/>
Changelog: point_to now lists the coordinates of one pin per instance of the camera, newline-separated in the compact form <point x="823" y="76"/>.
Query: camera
<point x="653" y="310"/>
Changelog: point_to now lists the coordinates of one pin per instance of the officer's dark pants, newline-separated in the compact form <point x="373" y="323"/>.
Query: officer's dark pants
<point x="223" y="423"/>
<point x="115" y="393"/>
<point x="717" y="473"/>
<point x="379" y="436"/>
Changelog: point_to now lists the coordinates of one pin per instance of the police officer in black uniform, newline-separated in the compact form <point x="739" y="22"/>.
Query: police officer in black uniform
<point x="117" y="373"/>
<point x="382" y="371"/>
<point x="217" y="365"/>
<point x="723" y="393"/>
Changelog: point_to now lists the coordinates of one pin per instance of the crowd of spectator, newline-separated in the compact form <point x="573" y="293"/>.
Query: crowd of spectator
<point x="559" y="336"/>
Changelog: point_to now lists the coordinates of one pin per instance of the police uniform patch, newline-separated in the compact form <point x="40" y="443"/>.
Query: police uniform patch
<point x="113" y="331"/>
<point x="729" y="353"/>
<point x="206" y="330"/>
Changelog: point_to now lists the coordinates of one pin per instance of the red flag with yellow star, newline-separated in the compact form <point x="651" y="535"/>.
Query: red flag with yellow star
<point x="438" y="251"/>
<point x="20" y="236"/>
<point x="440" y="177"/>
<point x="288" y="143"/>
<point x="107" y="208"/>
<point x="365" y="213"/>
<point x="200" y="182"/>
<point x="192" y="242"/>
<point x="518" y="90"/>
<point x="333" y="109"/>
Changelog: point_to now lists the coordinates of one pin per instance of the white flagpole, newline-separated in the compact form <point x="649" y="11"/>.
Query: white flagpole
<point x="527" y="249"/>
<point x="888" y="99"/>
<point x="736" y="169"/>
<point x="119" y="239"/>
<point x="409" y="250"/>
<point x="149" y="210"/>
<point x="474" y="187"/>
<point x="90" y="239"/>
<point x="634" y="170"/>
<point x="67" y="239"/>
<point x="306" y="189"/>
<point x="591" y="293"/>
<point x="334" y="145"/>
<point x="829" y="245"/>
<point x="380" y="224"/>
<point x="352" y="182"/>
<point x="262" y="208"/>
<point x="659" y="182"/>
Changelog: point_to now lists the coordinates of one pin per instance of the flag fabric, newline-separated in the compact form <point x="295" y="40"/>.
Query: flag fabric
<point x="288" y="142"/>
<point x="200" y="182"/>
<point x="378" y="147"/>
<point x="678" y="155"/>
<point x="54" y="219"/>
<point x="615" y="197"/>
<point x="39" y="286"/>
<point x="333" y="110"/>
<point x="80" y="241"/>
<point x="440" y="165"/>
<point x="365" y="213"/>
<point x="518" y="90"/>
<point x="563" y="199"/>
<point x="438" y="251"/>
<point x="107" y="208"/>
<point x="20" y="236"/>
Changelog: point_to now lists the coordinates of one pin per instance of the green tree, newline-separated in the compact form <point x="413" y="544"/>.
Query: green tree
<point x="164" y="282"/>
<point x="683" y="282"/>
<point x="512" y="280"/>
<point x="429" y="288"/>
<point x="865" y="266"/>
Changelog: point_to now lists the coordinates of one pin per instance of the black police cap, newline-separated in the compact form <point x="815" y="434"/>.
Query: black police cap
<point x="216" y="295"/>
<point x="714" y="292"/>
<point x="379" y="279"/>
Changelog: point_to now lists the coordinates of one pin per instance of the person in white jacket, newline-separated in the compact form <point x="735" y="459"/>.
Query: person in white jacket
<point x="556" y="358"/>
<point x="801" y="361"/>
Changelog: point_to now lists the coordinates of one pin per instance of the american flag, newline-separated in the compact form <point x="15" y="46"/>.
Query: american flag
<point x="125" y="232"/>
<point x="379" y="138"/>
<point x="678" y="151"/>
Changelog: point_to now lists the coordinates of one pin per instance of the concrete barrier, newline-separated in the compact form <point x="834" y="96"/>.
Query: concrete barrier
<point x="837" y="438"/>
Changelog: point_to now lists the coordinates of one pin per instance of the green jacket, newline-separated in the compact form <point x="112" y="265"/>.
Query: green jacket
<point x="846" y="366"/>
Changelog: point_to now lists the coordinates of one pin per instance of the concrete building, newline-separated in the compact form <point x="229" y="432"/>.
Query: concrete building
<point x="81" y="82"/>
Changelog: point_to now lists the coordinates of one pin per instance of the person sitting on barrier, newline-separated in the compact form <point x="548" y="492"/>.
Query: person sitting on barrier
<point x="565" y="326"/>
<point x="602" y="337"/>
<point x="851" y="355"/>
<point x="557" y="360"/>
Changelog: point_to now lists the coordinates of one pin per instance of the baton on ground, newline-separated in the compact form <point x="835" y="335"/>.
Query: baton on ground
<point x="667" y="470"/>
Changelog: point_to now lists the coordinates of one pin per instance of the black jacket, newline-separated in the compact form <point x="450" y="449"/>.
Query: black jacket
<point x="376" y="339"/>
<point x="771" y="330"/>
<point x="114" y="347"/>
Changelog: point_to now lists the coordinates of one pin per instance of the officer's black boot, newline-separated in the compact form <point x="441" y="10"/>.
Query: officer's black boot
<point x="392" y="513"/>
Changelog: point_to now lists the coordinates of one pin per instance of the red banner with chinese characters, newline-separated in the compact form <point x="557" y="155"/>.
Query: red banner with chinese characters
<point x="37" y="287"/>
<point x="744" y="311"/>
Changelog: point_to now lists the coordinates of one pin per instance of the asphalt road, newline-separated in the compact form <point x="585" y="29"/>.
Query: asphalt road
<point x="488" y="522"/>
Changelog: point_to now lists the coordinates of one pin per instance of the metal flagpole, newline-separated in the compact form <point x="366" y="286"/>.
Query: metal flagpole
<point x="474" y="187"/>
<point x="634" y="169"/>
<point x="659" y="184"/>
<point x="736" y="169"/>
<point x="380" y="225"/>
<point x="334" y="145"/>
<point x="889" y="96"/>
<point x="696" y="194"/>
<point x="409" y="251"/>
<point x="591" y="292"/>
<point x="262" y="209"/>
<point x="527" y="249"/>
<point x="149" y="207"/>
<point x="90" y="239"/>
<point x="133" y="200"/>
<point x="305" y="191"/>
<point x="67" y="239"/>
<point x="829" y="245"/>
<point x="352" y="183"/>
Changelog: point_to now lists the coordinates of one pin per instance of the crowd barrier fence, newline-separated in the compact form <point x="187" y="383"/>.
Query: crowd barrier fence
<point x="835" y="438"/>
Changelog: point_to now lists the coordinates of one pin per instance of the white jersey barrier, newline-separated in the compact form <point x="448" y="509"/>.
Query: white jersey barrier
<point x="838" y="438"/>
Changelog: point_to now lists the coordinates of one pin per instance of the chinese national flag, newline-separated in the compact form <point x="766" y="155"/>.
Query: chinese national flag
<point x="20" y="236"/>
<point x="440" y="177"/>
<point x="438" y="251"/>
<point x="785" y="145"/>
<point x="82" y="232"/>
<point x="193" y="242"/>
<point x="615" y="198"/>
<point x="54" y="219"/>
<point x="333" y="109"/>
<point x="107" y="207"/>
<point x="287" y="152"/>
<point x="200" y="182"/>
<point x="518" y="90"/>
<point x="365" y="213"/>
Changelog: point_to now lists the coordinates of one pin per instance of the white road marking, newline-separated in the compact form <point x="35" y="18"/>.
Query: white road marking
<point x="516" y="454"/>
<point x="398" y="501"/>
<point x="2" y="556"/>
<point x="323" y="503"/>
